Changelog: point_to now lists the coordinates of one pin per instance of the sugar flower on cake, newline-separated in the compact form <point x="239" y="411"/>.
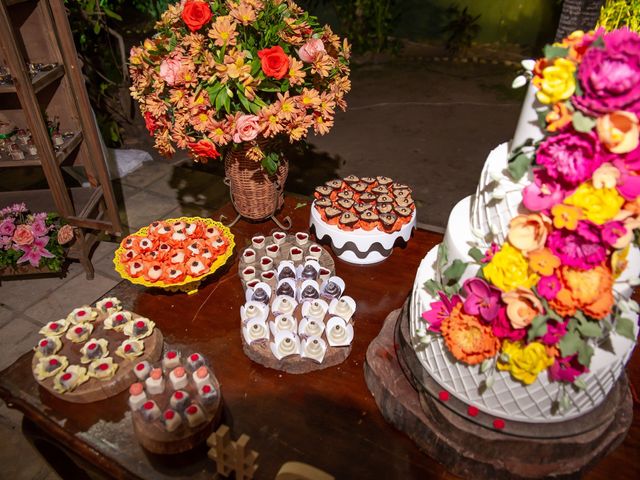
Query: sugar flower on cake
<point x="598" y="205"/>
<point x="529" y="232"/>
<point x="556" y="81"/>
<point x="582" y="248"/>
<point x="468" y="338"/>
<point x="440" y="310"/>
<point x="590" y="291"/>
<point x="524" y="362"/>
<point x="481" y="299"/>
<point x="509" y="269"/>
<point x="522" y="307"/>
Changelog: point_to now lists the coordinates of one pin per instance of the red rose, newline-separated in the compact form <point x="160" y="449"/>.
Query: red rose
<point x="150" y="122"/>
<point x="275" y="62"/>
<point x="204" y="149"/>
<point x="195" y="14"/>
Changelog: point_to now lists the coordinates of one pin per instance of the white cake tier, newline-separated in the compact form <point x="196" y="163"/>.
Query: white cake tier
<point x="498" y="197"/>
<point x="360" y="246"/>
<point x="528" y="127"/>
<point x="508" y="398"/>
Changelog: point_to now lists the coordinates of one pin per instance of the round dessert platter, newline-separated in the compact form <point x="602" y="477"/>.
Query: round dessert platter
<point x="363" y="218"/>
<point x="175" y="403"/>
<point x="90" y="354"/>
<point x="175" y="254"/>
<point x="297" y="319"/>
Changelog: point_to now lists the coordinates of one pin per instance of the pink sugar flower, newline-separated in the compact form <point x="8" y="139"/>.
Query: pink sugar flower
<point x="628" y="184"/>
<point x="481" y="299"/>
<point x="566" y="369"/>
<point x="491" y="251"/>
<point x="502" y="327"/>
<point x="439" y="311"/>
<point x="543" y="193"/>
<point x="571" y="157"/>
<point x="555" y="332"/>
<point x="581" y="248"/>
<point x="548" y="287"/>
<point x="612" y="231"/>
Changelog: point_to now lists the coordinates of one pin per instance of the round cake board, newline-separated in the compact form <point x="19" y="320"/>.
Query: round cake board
<point x="470" y="450"/>
<point x="95" y="390"/>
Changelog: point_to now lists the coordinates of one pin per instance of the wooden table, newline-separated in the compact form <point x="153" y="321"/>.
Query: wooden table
<point x="327" y="418"/>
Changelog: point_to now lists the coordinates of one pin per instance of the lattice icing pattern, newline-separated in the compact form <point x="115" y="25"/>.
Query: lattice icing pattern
<point x="507" y="398"/>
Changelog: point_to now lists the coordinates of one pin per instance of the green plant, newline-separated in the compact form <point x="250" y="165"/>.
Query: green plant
<point x="368" y="23"/>
<point x="460" y="29"/>
<point x="619" y="13"/>
<point x="154" y="8"/>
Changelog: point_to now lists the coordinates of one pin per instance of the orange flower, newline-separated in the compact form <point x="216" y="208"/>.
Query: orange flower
<point x="588" y="290"/>
<point x="543" y="262"/>
<point x="522" y="307"/>
<point x="529" y="232"/>
<point x="558" y="118"/>
<point x="633" y="206"/>
<point x="566" y="216"/>
<point x="467" y="338"/>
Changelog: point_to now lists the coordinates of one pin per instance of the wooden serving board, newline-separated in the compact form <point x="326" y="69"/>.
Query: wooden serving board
<point x="94" y="389"/>
<point x="471" y="450"/>
<point x="156" y="439"/>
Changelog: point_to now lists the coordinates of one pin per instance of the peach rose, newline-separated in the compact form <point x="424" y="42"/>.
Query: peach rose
<point x="529" y="232"/>
<point x="522" y="307"/>
<point x="606" y="176"/>
<point x="310" y="50"/>
<point x="247" y="128"/>
<point x="170" y="69"/>
<point x="23" y="235"/>
<point x="618" y="131"/>
<point x="65" y="234"/>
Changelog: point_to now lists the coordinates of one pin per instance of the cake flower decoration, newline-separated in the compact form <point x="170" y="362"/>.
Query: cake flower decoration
<point x="481" y="299"/>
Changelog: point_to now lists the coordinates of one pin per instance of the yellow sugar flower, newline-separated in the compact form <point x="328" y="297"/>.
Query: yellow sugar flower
<point x="597" y="204"/>
<point x="509" y="269"/>
<point x="565" y="216"/>
<point x="557" y="83"/>
<point x="524" y="362"/>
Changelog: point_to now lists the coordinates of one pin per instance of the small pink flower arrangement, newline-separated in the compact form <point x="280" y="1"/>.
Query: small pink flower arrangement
<point x="34" y="239"/>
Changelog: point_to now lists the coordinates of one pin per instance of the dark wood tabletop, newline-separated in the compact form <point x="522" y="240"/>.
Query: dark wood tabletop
<point x="326" y="418"/>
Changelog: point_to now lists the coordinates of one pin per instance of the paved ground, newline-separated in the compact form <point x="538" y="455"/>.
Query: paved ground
<point x="428" y="124"/>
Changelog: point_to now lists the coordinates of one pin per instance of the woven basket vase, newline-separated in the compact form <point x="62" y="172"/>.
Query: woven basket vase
<point x="255" y="194"/>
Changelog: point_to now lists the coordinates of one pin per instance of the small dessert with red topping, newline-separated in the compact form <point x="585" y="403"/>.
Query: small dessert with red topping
<point x="130" y="349"/>
<point x="142" y="370"/>
<point x="48" y="346"/>
<point x="82" y="314"/>
<point x="171" y="419"/>
<point x="201" y="376"/>
<point x="103" y="368"/>
<point x="179" y="400"/>
<point x="150" y="411"/>
<point x="195" y="361"/>
<point x="67" y="380"/>
<point x="208" y="393"/>
<point x="194" y="414"/>
<point x="108" y="305"/>
<point x="54" y="329"/>
<point x="171" y="360"/>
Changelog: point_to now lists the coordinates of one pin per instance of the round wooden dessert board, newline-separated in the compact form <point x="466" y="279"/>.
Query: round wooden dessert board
<point x="472" y="451"/>
<point x="260" y="351"/>
<point x="156" y="439"/>
<point x="94" y="389"/>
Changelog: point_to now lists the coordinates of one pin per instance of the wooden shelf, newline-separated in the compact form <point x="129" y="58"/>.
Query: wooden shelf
<point x="39" y="81"/>
<point x="33" y="161"/>
<point x="41" y="200"/>
<point x="14" y="2"/>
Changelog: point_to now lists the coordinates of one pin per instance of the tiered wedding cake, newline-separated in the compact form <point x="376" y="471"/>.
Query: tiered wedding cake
<point x="523" y="313"/>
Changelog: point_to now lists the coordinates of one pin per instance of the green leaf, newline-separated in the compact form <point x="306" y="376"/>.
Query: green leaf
<point x="569" y="344"/>
<point x="285" y="86"/>
<point x="585" y="352"/>
<point x="552" y="51"/>
<point x="243" y="100"/>
<point x="111" y="13"/>
<point x="590" y="329"/>
<point x="519" y="165"/>
<point x="455" y="271"/>
<point x="221" y="98"/>
<point x="432" y="287"/>
<point x="173" y="42"/>
<point x="538" y="328"/>
<point x="624" y="327"/>
<point x="578" y="91"/>
<point x="442" y="257"/>
<point x="583" y="123"/>
<point x="476" y="254"/>
<point x="579" y="383"/>
<point x="213" y="92"/>
<point x="542" y="118"/>
<point x="270" y="163"/>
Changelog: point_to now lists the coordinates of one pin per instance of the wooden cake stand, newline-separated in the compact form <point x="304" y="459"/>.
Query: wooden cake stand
<point x="469" y="449"/>
<point x="95" y="389"/>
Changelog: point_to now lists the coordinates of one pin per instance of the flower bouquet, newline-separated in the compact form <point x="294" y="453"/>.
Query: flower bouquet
<point x="234" y="76"/>
<point x="544" y="300"/>
<point x="32" y="243"/>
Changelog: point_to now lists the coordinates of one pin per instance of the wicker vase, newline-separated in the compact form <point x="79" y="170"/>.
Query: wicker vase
<point x="255" y="194"/>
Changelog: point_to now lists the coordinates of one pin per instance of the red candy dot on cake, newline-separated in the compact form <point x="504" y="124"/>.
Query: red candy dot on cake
<point x="103" y="366"/>
<point x="81" y="313"/>
<point x="140" y="324"/>
<point x="179" y="395"/>
<point x="54" y="326"/>
<point x="128" y="347"/>
<point x="192" y="409"/>
<point x="194" y="357"/>
<point x="53" y="362"/>
<point x="443" y="395"/>
<point x="206" y="389"/>
<point x="78" y="330"/>
<point x="498" y="423"/>
<point x="171" y="355"/>
<point x="472" y="411"/>
<point x="169" y="414"/>
<point x="66" y="376"/>
<point x="108" y="304"/>
<point x="119" y="317"/>
<point x="92" y="346"/>
<point x="140" y="367"/>
<point x="148" y="405"/>
<point x="44" y="343"/>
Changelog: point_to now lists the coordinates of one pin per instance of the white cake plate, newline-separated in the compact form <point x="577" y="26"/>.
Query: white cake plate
<point x="360" y="247"/>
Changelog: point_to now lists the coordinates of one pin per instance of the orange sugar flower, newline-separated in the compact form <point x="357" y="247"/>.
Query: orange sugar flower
<point x="566" y="216"/>
<point x="558" y="118"/>
<point x="522" y="307"/>
<point x="543" y="262"/>
<point x="467" y="338"/>
<point x="529" y="232"/>
<point x="588" y="290"/>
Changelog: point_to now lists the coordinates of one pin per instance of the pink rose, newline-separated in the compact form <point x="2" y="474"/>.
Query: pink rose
<point x="310" y="50"/>
<point x="170" y="69"/>
<point x="23" y="235"/>
<point x="247" y="128"/>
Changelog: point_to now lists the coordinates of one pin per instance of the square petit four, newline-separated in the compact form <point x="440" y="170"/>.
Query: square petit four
<point x="150" y="411"/>
<point x="137" y="396"/>
<point x="171" y="419"/>
<point x="180" y="400"/>
<point x="201" y="376"/>
<point x="195" y="361"/>
<point x="171" y="360"/>
<point x="194" y="414"/>
<point x="142" y="370"/>
<point x="208" y="393"/>
<point x="178" y="377"/>
<point x="155" y="382"/>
